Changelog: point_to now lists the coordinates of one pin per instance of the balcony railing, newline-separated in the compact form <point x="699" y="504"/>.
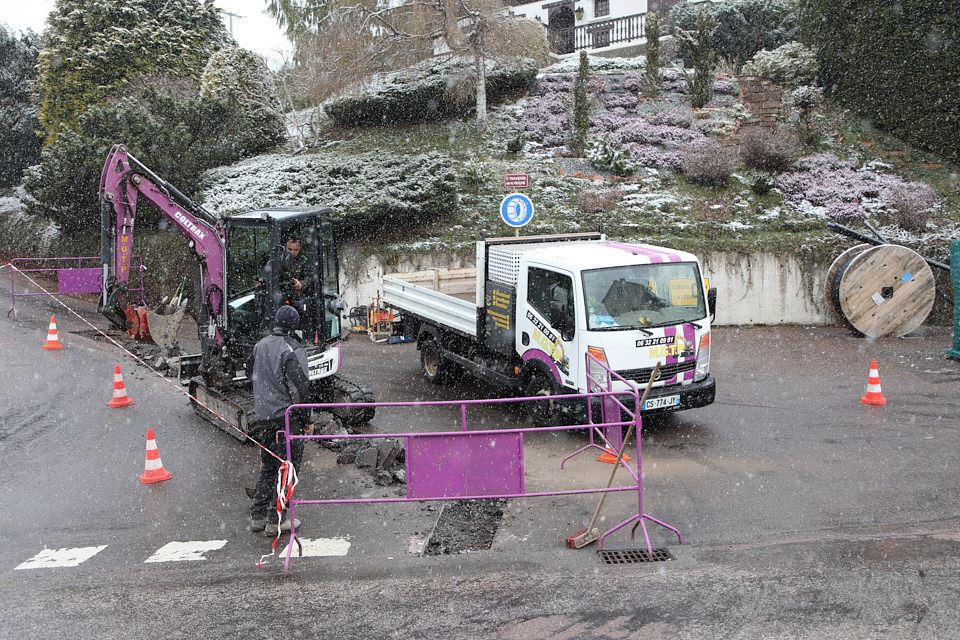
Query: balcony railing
<point x="596" y="35"/>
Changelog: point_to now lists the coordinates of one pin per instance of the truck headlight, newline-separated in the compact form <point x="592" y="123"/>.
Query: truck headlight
<point x="703" y="358"/>
<point x="594" y="369"/>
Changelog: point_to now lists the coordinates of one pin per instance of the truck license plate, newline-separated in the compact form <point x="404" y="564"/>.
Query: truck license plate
<point x="660" y="403"/>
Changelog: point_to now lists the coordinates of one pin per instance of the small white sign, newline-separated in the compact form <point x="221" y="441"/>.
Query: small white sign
<point x="185" y="551"/>
<point x="877" y="298"/>
<point x="54" y="558"/>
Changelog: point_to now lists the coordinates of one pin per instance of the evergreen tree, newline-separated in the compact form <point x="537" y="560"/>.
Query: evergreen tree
<point x="699" y="48"/>
<point x="653" y="80"/>
<point x="19" y="145"/>
<point x="93" y="48"/>
<point x="581" y="107"/>
<point x="895" y="63"/>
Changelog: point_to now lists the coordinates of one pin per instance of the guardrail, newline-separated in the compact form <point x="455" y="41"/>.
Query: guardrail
<point x="489" y="463"/>
<point x="72" y="276"/>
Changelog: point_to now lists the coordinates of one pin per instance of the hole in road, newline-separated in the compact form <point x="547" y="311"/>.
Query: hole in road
<point x="465" y="525"/>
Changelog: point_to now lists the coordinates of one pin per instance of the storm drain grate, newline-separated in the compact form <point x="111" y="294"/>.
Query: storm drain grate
<point x="632" y="556"/>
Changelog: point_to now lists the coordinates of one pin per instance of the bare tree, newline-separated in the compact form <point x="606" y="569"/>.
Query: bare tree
<point x="353" y="39"/>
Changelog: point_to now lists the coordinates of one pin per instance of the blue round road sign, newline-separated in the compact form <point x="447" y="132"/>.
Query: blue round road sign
<point x="516" y="209"/>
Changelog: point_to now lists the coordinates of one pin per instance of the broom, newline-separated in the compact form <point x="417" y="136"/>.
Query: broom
<point x="589" y="535"/>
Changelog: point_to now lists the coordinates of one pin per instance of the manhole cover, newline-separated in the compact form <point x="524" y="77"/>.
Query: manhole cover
<point x="632" y="556"/>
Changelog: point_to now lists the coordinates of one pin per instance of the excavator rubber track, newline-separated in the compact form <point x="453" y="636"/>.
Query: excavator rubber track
<point x="344" y="390"/>
<point x="236" y="404"/>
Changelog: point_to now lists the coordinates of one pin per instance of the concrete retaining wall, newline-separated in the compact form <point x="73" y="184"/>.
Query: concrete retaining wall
<point x="751" y="289"/>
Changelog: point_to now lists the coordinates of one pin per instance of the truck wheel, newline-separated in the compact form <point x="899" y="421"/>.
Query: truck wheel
<point x="435" y="369"/>
<point x="542" y="413"/>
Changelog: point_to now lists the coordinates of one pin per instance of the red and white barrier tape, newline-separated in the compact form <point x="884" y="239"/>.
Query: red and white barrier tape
<point x="176" y="386"/>
<point x="286" y="484"/>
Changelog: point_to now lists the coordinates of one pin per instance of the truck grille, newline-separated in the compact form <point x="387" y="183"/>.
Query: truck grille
<point x="667" y="371"/>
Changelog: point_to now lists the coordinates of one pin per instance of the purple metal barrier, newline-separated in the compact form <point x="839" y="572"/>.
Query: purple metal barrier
<point x="483" y="464"/>
<point x="72" y="276"/>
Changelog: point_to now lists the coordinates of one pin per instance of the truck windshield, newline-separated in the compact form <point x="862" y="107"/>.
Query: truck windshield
<point x="643" y="296"/>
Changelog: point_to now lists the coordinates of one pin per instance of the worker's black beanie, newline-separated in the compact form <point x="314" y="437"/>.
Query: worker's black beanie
<point x="287" y="317"/>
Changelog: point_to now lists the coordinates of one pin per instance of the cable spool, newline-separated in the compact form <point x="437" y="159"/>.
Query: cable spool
<point x="885" y="290"/>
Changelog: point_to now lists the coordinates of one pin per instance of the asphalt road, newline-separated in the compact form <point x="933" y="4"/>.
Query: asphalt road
<point x="805" y="513"/>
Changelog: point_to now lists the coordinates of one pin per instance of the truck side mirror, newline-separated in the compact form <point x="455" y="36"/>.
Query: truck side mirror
<point x="712" y="303"/>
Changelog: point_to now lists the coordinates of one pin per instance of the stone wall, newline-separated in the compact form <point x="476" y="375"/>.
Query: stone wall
<point x="763" y="99"/>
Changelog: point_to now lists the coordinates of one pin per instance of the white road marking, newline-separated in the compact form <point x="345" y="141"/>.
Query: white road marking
<point x="54" y="558"/>
<point x="185" y="551"/>
<point x="319" y="547"/>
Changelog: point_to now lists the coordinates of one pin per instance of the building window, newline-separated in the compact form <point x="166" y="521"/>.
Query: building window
<point x="601" y="8"/>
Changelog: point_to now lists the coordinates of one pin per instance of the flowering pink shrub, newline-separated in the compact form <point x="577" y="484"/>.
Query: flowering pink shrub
<point x="633" y="81"/>
<point x="672" y="118"/>
<point x="823" y="180"/>
<point x="724" y="87"/>
<point x="624" y="101"/>
<point x="647" y="155"/>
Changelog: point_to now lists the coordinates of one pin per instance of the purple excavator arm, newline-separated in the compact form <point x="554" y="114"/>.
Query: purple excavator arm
<point x="123" y="180"/>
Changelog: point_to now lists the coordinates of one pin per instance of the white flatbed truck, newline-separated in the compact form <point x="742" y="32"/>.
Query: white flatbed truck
<point x="534" y="306"/>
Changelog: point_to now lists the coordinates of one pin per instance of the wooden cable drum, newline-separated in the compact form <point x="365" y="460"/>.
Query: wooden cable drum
<point x="887" y="290"/>
<point x="832" y="282"/>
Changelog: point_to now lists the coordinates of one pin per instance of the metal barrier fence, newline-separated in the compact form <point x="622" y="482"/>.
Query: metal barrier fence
<point x="489" y="463"/>
<point x="72" y="276"/>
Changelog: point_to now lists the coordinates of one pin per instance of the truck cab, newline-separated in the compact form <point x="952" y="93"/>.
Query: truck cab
<point x="541" y="304"/>
<point x="628" y="306"/>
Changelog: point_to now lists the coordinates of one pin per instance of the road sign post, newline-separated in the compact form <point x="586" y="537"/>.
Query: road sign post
<point x="513" y="181"/>
<point x="516" y="210"/>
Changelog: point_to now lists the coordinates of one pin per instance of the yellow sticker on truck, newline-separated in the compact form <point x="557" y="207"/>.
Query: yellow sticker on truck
<point x="683" y="292"/>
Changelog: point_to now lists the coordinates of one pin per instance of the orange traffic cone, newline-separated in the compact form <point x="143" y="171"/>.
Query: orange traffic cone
<point x="873" y="395"/>
<point x="120" y="397"/>
<point x="610" y="456"/>
<point x="153" y="470"/>
<point x="53" y="339"/>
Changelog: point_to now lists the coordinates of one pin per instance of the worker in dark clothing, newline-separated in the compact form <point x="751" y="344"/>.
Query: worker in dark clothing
<point x="279" y="374"/>
<point x="295" y="281"/>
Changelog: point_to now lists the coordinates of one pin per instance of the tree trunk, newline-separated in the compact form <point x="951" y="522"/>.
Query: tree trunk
<point x="481" y="64"/>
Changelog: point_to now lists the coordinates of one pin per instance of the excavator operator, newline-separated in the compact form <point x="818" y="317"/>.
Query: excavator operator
<point x="295" y="279"/>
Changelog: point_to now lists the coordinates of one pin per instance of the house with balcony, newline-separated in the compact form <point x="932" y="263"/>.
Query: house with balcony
<point x="612" y="27"/>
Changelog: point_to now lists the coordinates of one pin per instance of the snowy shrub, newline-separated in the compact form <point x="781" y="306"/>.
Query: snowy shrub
<point x="706" y="162"/>
<point x="240" y="75"/>
<point x="912" y="203"/>
<point x="594" y="200"/>
<point x="802" y="106"/>
<point x="842" y="190"/>
<point x="791" y="65"/>
<point x="597" y="63"/>
<point x="19" y="145"/>
<point x="674" y="80"/>
<point x="369" y="193"/>
<point x="744" y="27"/>
<point x="673" y="118"/>
<point x="419" y="94"/>
<point x="768" y="151"/>
<point x="606" y="156"/>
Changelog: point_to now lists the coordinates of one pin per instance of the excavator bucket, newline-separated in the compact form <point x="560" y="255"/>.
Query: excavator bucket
<point x="164" y="327"/>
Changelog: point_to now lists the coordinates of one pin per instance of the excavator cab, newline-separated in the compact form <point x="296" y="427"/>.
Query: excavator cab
<point x="276" y="257"/>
